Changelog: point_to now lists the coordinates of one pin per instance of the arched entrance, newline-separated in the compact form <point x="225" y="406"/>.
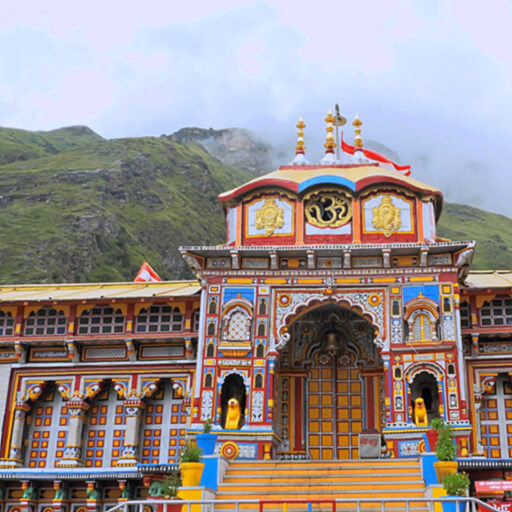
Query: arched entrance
<point x="330" y="384"/>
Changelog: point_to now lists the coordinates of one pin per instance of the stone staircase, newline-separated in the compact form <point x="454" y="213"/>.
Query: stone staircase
<point x="323" y="480"/>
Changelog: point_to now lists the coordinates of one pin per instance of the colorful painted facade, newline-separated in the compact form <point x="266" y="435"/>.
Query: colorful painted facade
<point x="332" y="313"/>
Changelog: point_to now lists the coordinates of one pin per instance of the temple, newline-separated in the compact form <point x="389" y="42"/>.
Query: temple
<point x="332" y="313"/>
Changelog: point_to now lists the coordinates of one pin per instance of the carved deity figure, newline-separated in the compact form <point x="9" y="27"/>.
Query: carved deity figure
<point x="233" y="414"/>
<point x="270" y="217"/>
<point x="420" y="413"/>
<point x="386" y="217"/>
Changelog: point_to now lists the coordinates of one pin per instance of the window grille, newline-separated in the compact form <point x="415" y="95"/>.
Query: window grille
<point x="101" y="320"/>
<point x="45" y="322"/>
<point x="6" y="324"/>
<point x="496" y="312"/>
<point x="160" y="318"/>
<point x="465" y="315"/>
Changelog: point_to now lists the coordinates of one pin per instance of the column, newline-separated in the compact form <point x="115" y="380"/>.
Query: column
<point x="18" y="427"/>
<point x="134" y="408"/>
<point x="72" y="452"/>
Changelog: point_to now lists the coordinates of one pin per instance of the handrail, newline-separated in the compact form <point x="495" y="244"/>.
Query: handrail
<point x="461" y="503"/>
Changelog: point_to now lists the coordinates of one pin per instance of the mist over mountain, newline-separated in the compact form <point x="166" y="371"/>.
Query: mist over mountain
<point x="76" y="207"/>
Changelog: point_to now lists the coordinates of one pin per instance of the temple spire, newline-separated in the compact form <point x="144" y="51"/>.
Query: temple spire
<point x="330" y="144"/>
<point x="358" y="141"/>
<point x="300" y="147"/>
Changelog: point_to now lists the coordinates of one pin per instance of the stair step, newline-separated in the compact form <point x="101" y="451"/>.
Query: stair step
<point x="334" y="477"/>
<point x="305" y="484"/>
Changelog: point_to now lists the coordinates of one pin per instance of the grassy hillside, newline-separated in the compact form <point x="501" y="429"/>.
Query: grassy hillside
<point x="96" y="212"/>
<point x="16" y="145"/>
<point x="492" y="232"/>
<point x="77" y="207"/>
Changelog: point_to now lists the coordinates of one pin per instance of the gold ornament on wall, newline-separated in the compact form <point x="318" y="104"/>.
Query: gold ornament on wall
<point x="328" y="209"/>
<point x="270" y="217"/>
<point x="386" y="217"/>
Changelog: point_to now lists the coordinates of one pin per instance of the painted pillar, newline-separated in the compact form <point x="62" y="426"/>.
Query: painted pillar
<point x="15" y="449"/>
<point x="134" y="408"/>
<point x="73" y="450"/>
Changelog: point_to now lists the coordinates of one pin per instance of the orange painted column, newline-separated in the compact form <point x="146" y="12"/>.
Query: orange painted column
<point x="356" y="220"/>
<point x="299" y="223"/>
<point x="419" y="220"/>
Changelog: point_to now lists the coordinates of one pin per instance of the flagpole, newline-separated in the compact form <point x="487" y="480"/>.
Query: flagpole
<point x="339" y="120"/>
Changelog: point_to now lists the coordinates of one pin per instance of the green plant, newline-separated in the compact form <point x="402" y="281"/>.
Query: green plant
<point x="207" y="426"/>
<point x="456" y="484"/>
<point x="171" y="484"/>
<point x="191" y="453"/>
<point x="445" y="447"/>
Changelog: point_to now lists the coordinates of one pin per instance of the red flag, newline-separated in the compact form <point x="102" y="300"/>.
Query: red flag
<point x="146" y="273"/>
<point x="372" y="155"/>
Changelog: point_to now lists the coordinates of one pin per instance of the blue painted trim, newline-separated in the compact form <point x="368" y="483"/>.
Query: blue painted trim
<point x="329" y="180"/>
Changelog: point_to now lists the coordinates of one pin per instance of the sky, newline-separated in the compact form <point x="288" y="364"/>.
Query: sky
<point x="429" y="79"/>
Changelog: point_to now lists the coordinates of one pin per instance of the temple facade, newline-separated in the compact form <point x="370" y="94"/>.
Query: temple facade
<point x="333" y="312"/>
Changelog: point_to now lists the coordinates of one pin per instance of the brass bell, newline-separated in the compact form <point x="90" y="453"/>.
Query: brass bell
<point x="332" y="345"/>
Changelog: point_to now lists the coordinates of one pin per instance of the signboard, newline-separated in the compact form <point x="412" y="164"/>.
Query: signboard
<point x="486" y="487"/>
<point x="503" y="506"/>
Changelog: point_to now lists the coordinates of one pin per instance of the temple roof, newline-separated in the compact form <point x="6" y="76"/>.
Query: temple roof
<point x="489" y="279"/>
<point x="355" y="177"/>
<point x="97" y="291"/>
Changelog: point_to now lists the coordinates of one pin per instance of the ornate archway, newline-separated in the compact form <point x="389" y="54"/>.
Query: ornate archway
<point x="330" y="382"/>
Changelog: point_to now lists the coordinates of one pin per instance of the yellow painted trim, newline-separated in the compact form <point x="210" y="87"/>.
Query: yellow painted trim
<point x="480" y="299"/>
<point x="421" y="279"/>
<point x="385" y="280"/>
<point x="182" y="306"/>
<point x="139" y="307"/>
<point x="275" y="281"/>
<point x="310" y="281"/>
<point x="83" y="307"/>
<point x="34" y="308"/>
<point x="342" y="280"/>
<point x="239" y="280"/>
<point x="13" y="310"/>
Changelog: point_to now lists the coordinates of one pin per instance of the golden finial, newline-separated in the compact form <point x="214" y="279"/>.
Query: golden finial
<point x="358" y="140"/>
<point x="330" y="144"/>
<point x="300" y="148"/>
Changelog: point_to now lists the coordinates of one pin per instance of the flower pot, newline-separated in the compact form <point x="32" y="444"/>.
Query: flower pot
<point x="431" y="435"/>
<point x="453" y="506"/>
<point x="445" y="467"/>
<point x="206" y="442"/>
<point x="191" y="473"/>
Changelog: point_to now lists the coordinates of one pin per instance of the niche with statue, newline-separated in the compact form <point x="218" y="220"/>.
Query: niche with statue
<point x="233" y="399"/>
<point x="425" y="399"/>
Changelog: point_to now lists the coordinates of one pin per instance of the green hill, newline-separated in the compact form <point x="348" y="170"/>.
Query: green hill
<point x="16" y="145"/>
<point x="77" y="207"/>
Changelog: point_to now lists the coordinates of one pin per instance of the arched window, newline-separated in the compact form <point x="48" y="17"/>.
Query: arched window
<point x="258" y="380"/>
<point x="208" y="380"/>
<point x="422" y="328"/>
<point x="210" y="350"/>
<point x="260" y="350"/>
<point x="263" y="307"/>
<point x="238" y="326"/>
<point x="101" y="320"/>
<point x="421" y="315"/>
<point x="6" y="324"/>
<point x="211" y="329"/>
<point x="212" y="309"/>
<point x="159" y="318"/>
<point x="45" y="322"/>
<point x="261" y="329"/>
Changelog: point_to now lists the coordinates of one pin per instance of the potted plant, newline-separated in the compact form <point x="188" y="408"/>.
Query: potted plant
<point x="455" y="484"/>
<point x="190" y="466"/>
<point x="446" y="450"/>
<point x="206" y="441"/>
<point x="166" y="489"/>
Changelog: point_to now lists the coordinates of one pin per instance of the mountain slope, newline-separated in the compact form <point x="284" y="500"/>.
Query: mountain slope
<point x="95" y="213"/>
<point x="96" y="209"/>
<point x="16" y="145"/>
